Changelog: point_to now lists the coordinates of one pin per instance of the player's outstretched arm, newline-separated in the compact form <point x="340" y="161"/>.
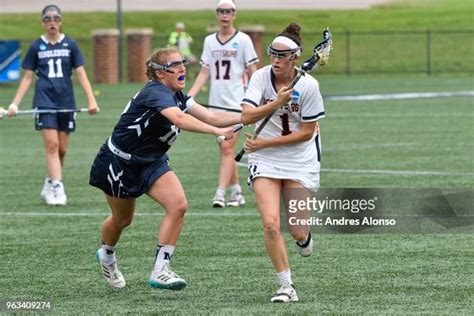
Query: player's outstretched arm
<point x="218" y="119"/>
<point x="189" y="123"/>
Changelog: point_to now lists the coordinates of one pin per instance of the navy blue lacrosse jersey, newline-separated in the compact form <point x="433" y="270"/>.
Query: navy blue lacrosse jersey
<point x="53" y="64"/>
<point x="142" y="131"/>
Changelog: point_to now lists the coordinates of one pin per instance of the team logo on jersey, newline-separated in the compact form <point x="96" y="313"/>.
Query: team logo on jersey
<point x="295" y="97"/>
<point x="42" y="47"/>
<point x="235" y="45"/>
<point x="65" y="44"/>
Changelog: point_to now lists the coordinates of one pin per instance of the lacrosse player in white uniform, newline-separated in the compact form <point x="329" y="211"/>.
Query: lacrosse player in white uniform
<point x="225" y="57"/>
<point x="286" y="155"/>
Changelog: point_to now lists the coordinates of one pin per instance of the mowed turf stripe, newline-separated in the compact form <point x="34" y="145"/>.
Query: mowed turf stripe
<point x="93" y="213"/>
<point x="392" y="172"/>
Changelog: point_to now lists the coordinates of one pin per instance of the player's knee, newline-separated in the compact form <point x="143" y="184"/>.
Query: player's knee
<point x="271" y="229"/>
<point x="52" y="147"/>
<point x="62" y="153"/>
<point x="180" y="207"/>
<point x="227" y="149"/>
<point x="122" y="222"/>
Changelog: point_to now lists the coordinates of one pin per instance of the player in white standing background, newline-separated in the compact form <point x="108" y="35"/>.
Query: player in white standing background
<point x="52" y="58"/>
<point x="225" y="57"/>
<point x="286" y="155"/>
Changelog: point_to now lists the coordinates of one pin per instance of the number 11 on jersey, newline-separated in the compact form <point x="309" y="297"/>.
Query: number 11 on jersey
<point x="55" y="73"/>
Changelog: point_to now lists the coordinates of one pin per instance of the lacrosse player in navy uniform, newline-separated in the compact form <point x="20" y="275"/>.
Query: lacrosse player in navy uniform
<point x="286" y="154"/>
<point x="226" y="56"/>
<point x="133" y="162"/>
<point x="52" y="58"/>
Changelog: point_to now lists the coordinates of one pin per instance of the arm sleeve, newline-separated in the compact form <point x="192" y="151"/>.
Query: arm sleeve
<point x="31" y="59"/>
<point x="250" y="56"/>
<point x="254" y="93"/>
<point x="206" y="54"/>
<point x="76" y="57"/>
<point x="312" y="106"/>
<point x="189" y="103"/>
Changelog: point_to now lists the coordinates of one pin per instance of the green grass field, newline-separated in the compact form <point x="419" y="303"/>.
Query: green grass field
<point x="48" y="252"/>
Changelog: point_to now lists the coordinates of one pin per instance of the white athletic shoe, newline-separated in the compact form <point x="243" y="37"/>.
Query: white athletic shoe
<point x="237" y="199"/>
<point x="166" y="279"/>
<point x="47" y="188"/>
<point x="218" y="200"/>
<point x="110" y="271"/>
<point x="56" y="196"/>
<point x="307" y="248"/>
<point x="285" y="294"/>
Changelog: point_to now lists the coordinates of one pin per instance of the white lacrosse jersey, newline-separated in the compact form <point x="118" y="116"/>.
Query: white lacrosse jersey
<point x="227" y="63"/>
<point x="306" y="105"/>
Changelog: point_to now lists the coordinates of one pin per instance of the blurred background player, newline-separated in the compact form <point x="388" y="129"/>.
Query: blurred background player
<point x="286" y="155"/>
<point x="182" y="40"/>
<point x="133" y="162"/>
<point x="52" y="58"/>
<point x="225" y="57"/>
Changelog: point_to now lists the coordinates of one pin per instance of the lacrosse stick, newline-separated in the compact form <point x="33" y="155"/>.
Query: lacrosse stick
<point x="320" y="58"/>
<point x="3" y="112"/>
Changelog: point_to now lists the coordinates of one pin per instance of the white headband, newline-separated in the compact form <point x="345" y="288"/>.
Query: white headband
<point x="288" y="42"/>
<point x="229" y="2"/>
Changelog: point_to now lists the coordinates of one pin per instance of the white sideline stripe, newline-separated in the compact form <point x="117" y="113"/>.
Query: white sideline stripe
<point x="392" y="172"/>
<point x="399" y="96"/>
<point x="401" y="172"/>
<point x="398" y="115"/>
<point x="368" y="146"/>
<point x="249" y="213"/>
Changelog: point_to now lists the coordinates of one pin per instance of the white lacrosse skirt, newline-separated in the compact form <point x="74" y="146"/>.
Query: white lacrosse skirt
<point x="309" y="180"/>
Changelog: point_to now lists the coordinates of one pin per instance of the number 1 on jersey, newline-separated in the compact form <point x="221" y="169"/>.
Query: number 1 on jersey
<point x="52" y="73"/>
<point x="285" y="124"/>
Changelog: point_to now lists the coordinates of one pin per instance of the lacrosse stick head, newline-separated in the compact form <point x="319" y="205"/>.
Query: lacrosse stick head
<point x="321" y="53"/>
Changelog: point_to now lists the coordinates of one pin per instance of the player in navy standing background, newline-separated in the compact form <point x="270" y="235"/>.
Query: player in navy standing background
<point x="52" y="58"/>
<point x="133" y="162"/>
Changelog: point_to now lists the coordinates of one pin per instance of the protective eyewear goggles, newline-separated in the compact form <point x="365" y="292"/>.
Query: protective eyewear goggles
<point x="171" y="65"/>
<point x="49" y="18"/>
<point x="282" y="53"/>
<point x="225" y="11"/>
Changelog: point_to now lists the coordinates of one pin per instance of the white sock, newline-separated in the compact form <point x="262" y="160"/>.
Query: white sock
<point x="220" y="191"/>
<point x="284" y="277"/>
<point x="163" y="256"/>
<point x="235" y="188"/>
<point x="108" y="254"/>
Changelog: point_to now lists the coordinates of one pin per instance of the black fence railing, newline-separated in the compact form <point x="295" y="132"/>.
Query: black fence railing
<point x="430" y="51"/>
